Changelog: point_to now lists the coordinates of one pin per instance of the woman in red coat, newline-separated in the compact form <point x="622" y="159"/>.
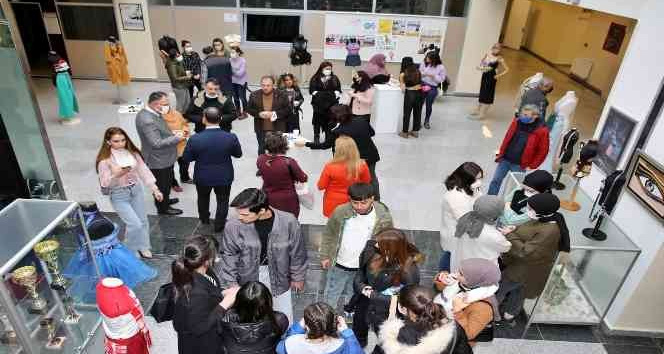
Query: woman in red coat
<point x="345" y="169"/>
<point x="279" y="174"/>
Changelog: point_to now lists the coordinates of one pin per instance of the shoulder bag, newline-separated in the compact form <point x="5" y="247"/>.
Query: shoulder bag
<point x="304" y="193"/>
<point x="163" y="307"/>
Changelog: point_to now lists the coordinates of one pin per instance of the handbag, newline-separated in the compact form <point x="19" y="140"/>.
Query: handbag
<point x="163" y="307"/>
<point x="487" y="333"/>
<point x="304" y="194"/>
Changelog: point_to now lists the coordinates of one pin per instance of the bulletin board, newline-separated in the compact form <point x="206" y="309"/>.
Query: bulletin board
<point x="395" y="36"/>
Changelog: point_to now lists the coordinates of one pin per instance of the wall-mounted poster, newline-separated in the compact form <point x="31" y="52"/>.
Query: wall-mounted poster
<point x="646" y="183"/>
<point x="615" y="37"/>
<point x="132" y="17"/>
<point x="384" y="26"/>
<point x="613" y="140"/>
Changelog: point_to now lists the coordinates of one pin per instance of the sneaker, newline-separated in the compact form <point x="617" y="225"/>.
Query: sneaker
<point x="403" y="135"/>
<point x="414" y="134"/>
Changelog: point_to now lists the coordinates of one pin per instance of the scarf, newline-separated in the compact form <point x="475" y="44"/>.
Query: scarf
<point x="486" y="210"/>
<point x="546" y="206"/>
<point x="480" y="273"/>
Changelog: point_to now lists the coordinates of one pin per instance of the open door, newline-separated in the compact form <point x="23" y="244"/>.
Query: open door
<point x="517" y="20"/>
<point x="31" y="26"/>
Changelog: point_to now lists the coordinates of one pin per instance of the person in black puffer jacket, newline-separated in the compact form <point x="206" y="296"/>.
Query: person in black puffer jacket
<point x="325" y="90"/>
<point x="251" y="326"/>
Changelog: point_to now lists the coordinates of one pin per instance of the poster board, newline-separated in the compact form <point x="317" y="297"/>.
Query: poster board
<point x="393" y="35"/>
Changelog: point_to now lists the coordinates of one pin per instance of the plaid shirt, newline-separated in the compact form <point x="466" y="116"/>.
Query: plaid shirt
<point x="192" y="62"/>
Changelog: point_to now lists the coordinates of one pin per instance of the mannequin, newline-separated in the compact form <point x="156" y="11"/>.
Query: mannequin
<point x="123" y="319"/>
<point x="116" y="67"/>
<point x="526" y="85"/>
<point x="559" y="122"/>
<point x="113" y="258"/>
<point x="353" y="53"/>
<point x="298" y="53"/>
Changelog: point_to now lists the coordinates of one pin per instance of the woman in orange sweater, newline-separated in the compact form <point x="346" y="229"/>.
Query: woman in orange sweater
<point x="342" y="171"/>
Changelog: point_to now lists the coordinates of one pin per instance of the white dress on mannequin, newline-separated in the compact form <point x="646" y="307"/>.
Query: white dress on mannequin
<point x="563" y="110"/>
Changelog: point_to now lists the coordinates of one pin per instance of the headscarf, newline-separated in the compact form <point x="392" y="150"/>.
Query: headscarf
<point x="486" y="210"/>
<point x="546" y="206"/>
<point x="538" y="180"/>
<point x="375" y="66"/>
<point x="479" y="272"/>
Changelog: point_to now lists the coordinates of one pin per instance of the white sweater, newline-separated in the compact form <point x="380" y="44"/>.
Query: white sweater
<point x="456" y="203"/>
<point x="488" y="245"/>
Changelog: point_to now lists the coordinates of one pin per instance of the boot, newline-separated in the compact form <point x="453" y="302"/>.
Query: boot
<point x="316" y="139"/>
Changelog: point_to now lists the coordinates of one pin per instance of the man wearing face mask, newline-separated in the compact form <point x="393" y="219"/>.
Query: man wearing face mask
<point x="270" y="109"/>
<point x="159" y="147"/>
<point x="192" y="64"/>
<point x="219" y="67"/>
<point x="347" y="232"/>
<point x="180" y="79"/>
<point x="524" y="147"/>
<point x="537" y="96"/>
<point x="211" y="96"/>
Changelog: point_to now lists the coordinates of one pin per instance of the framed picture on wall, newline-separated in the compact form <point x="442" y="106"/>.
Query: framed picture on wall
<point x="132" y="17"/>
<point x="646" y="183"/>
<point x="614" y="38"/>
<point x="613" y="139"/>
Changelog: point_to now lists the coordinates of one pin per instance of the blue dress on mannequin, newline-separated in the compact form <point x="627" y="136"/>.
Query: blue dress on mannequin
<point x="113" y="258"/>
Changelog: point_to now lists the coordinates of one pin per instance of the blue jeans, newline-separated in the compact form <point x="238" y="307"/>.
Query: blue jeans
<point x="444" y="263"/>
<point x="502" y="169"/>
<point x="129" y="203"/>
<point x="337" y="281"/>
<point x="428" y="101"/>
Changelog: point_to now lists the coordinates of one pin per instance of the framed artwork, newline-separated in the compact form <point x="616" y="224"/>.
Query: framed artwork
<point x="132" y="17"/>
<point x="615" y="38"/>
<point x="613" y="140"/>
<point x="646" y="183"/>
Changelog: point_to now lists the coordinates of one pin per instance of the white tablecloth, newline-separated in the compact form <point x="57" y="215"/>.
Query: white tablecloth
<point x="387" y="109"/>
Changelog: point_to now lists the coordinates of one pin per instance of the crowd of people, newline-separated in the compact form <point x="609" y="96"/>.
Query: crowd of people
<point x="234" y="289"/>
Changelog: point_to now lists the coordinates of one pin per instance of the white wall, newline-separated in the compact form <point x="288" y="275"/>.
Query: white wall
<point x="138" y="44"/>
<point x="485" y="20"/>
<point x="634" y="91"/>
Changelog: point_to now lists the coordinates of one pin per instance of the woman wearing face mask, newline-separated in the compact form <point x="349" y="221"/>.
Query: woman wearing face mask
<point x="433" y="74"/>
<point x="122" y="175"/>
<point x="489" y="68"/>
<point x="361" y="98"/>
<point x="288" y="84"/>
<point x="538" y="181"/>
<point x="325" y="90"/>
<point x="424" y="328"/>
<point x="476" y="235"/>
<point x="387" y="264"/>
<point x="462" y="188"/>
<point x="239" y="65"/>
<point x="192" y="63"/>
<point x="535" y="246"/>
<point x="180" y="80"/>
<point x="524" y="147"/>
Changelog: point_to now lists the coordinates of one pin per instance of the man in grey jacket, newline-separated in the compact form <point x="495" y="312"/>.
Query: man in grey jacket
<point x="159" y="147"/>
<point x="263" y="244"/>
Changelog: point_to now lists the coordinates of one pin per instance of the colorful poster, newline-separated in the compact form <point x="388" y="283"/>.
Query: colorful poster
<point x="384" y="26"/>
<point x="413" y="28"/>
<point x="399" y="27"/>
<point x="369" y="26"/>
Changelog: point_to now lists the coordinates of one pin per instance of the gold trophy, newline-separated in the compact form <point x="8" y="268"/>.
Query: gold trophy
<point x="47" y="251"/>
<point x="27" y="277"/>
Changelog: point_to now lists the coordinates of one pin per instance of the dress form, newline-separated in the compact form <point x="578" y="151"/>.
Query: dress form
<point x="563" y="112"/>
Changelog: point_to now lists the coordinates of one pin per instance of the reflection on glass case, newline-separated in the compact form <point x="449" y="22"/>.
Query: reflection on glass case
<point x="42" y="309"/>
<point x="583" y="283"/>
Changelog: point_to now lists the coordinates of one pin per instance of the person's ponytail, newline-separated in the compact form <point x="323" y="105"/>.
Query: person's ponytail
<point x="197" y="251"/>
<point x="182" y="277"/>
<point x="419" y="301"/>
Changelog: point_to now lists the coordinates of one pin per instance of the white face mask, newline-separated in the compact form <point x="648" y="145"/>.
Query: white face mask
<point x="180" y="58"/>
<point x="234" y="55"/>
<point x="528" y="193"/>
<point x="327" y="72"/>
<point x="211" y="95"/>
<point x="165" y="109"/>
<point x="531" y="214"/>
<point x="477" y="185"/>
<point x="188" y="49"/>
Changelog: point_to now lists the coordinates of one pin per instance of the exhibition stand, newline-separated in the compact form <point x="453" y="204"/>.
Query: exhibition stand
<point x="387" y="109"/>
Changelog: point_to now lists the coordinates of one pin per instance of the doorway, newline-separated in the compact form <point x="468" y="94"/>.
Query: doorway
<point x="36" y="42"/>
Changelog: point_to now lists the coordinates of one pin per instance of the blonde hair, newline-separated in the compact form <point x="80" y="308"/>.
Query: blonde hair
<point x="345" y="151"/>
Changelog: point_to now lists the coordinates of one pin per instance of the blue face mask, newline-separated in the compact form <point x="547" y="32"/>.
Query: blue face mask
<point x="525" y="119"/>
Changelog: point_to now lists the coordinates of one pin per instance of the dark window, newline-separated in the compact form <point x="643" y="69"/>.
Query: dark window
<point x="272" y="28"/>
<point x="92" y="23"/>
<point x="410" y="7"/>
<point x="217" y="3"/>
<point x="160" y="2"/>
<point x="46" y="5"/>
<point x="94" y="1"/>
<point x="341" y="5"/>
<point x="274" y="4"/>
<point x="456" y="8"/>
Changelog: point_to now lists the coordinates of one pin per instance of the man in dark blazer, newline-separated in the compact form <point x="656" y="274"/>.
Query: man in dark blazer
<point x="270" y="109"/>
<point x="159" y="147"/>
<point x="212" y="97"/>
<point x="212" y="150"/>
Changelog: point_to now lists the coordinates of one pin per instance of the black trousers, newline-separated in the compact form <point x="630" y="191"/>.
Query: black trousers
<point x="223" y="194"/>
<point x="260" y="139"/>
<point x="412" y="102"/>
<point x="293" y="122"/>
<point x="374" y="180"/>
<point x="164" y="177"/>
<point x="183" y="170"/>
<point x="360" y="323"/>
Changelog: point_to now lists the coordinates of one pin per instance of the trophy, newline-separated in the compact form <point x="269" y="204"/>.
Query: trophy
<point x="53" y="342"/>
<point x="27" y="277"/>
<point x="8" y="335"/>
<point x="47" y="251"/>
<point x="71" y="316"/>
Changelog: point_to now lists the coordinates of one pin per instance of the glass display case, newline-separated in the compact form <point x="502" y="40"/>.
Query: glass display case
<point x="45" y="307"/>
<point x="583" y="283"/>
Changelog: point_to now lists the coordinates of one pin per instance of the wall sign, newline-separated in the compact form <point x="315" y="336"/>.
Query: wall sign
<point x="613" y="139"/>
<point x="132" y="17"/>
<point x="614" y="38"/>
<point x="646" y="183"/>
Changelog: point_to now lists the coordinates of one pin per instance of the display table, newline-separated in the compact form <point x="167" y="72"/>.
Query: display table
<point x="387" y="109"/>
<point x="127" y="121"/>
<point x="583" y="283"/>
